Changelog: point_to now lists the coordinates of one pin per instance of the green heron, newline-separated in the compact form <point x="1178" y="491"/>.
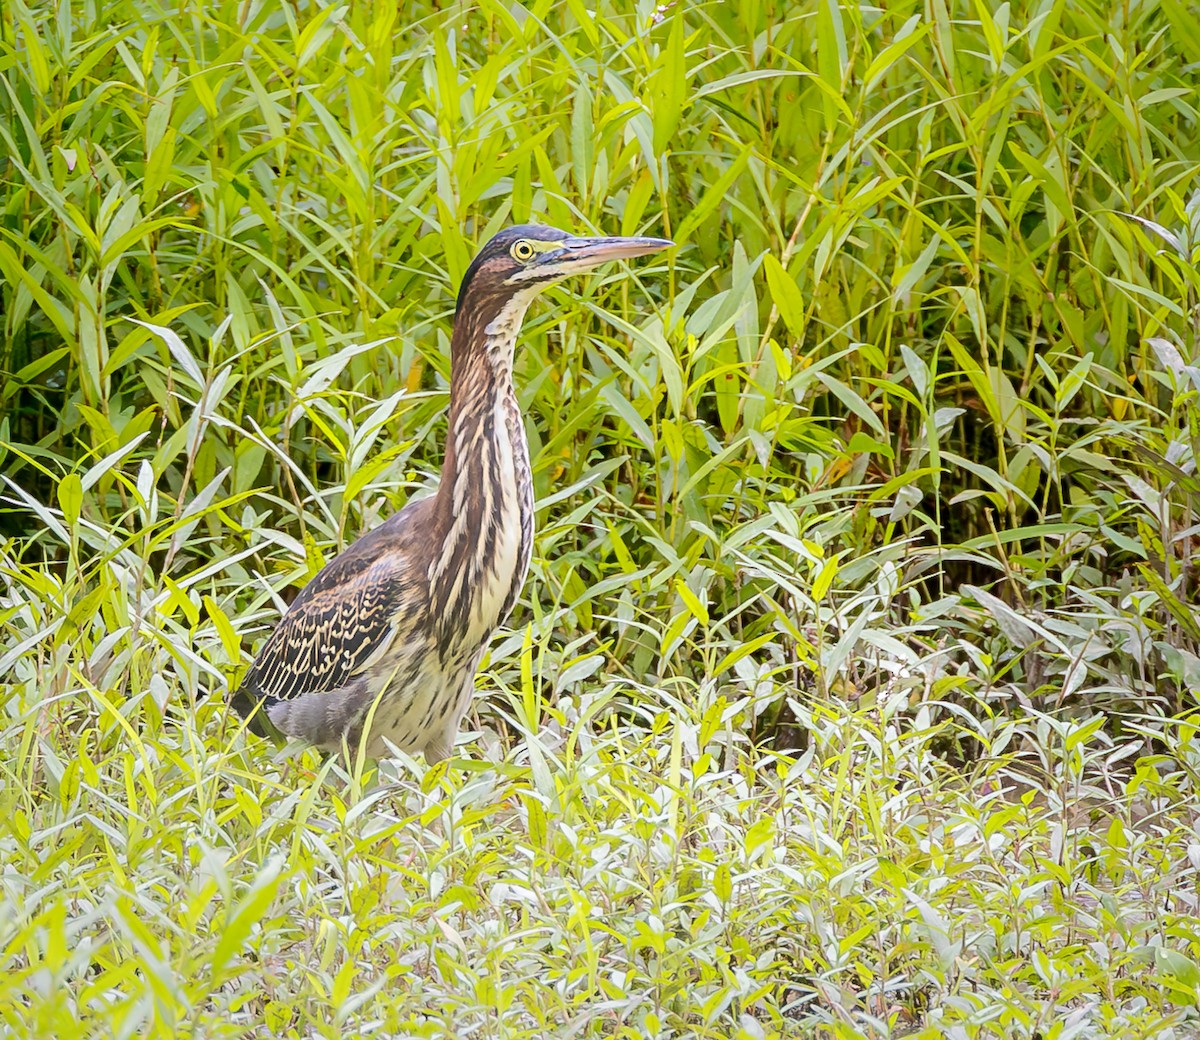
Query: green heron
<point x="383" y="644"/>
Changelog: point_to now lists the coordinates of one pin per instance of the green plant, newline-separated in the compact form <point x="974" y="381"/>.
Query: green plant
<point x="854" y="693"/>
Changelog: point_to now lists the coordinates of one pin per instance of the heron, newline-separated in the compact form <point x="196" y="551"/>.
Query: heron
<point x="381" y="648"/>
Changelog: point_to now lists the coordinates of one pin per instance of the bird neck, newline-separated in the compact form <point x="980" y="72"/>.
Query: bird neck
<point x="485" y="501"/>
<point x="481" y="377"/>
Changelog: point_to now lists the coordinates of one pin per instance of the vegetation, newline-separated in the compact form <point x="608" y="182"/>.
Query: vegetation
<point x="854" y="690"/>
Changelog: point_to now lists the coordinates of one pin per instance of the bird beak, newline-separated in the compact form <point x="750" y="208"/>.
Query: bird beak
<point x="582" y="253"/>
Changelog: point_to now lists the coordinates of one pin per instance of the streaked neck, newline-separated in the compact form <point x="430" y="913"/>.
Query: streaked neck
<point x="481" y="367"/>
<point x="485" y="500"/>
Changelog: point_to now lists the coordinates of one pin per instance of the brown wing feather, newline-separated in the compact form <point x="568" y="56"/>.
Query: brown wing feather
<point x="342" y="617"/>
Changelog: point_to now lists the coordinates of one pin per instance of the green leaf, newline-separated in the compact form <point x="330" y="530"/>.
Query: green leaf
<point x="738" y="79"/>
<point x="179" y="350"/>
<point x="786" y="294"/>
<point x="832" y="57"/>
<point x="583" y="153"/>
<point x="668" y="86"/>
<point x="759" y="837"/>
<point x="910" y="34"/>
<point x="70" y="498"/>
<point x="824" y="579"/>
<point x="712" y="197"/>
<point x="620" y="404"/>
<point x="693" y="603"/>
<point x="229" y="638"/>
<point x="244" y="915"/>
<point x="861" y="442"/>
<point x="906" y="276"/>
<point x="723" y="883"/>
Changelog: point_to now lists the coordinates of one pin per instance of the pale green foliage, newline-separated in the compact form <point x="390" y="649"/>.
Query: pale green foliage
<point x="853" y="693"/>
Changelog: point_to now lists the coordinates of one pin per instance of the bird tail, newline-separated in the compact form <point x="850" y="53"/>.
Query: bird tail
<point x="254" y="711"/>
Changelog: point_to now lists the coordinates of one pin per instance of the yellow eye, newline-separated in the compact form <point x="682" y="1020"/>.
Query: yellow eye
<point x="522" y="251"/>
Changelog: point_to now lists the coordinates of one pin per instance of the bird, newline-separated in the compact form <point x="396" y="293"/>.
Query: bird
<point x="381" y="648"/>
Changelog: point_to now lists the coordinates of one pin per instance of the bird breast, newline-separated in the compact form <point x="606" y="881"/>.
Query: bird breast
<point x="479" y="571"/>
<point x="509" y="512"/>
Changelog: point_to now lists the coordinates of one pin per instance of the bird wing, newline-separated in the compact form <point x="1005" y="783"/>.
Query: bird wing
<point x="340" y="620"/>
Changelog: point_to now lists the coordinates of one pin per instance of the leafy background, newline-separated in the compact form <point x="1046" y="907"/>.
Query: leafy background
<point x="853" y="691"/>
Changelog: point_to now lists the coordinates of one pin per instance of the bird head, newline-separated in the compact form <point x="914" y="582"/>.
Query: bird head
<point x="522" y="260"/>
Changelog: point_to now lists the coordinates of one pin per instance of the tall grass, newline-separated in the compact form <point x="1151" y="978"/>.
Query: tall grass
<point x="853" y="693"/>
